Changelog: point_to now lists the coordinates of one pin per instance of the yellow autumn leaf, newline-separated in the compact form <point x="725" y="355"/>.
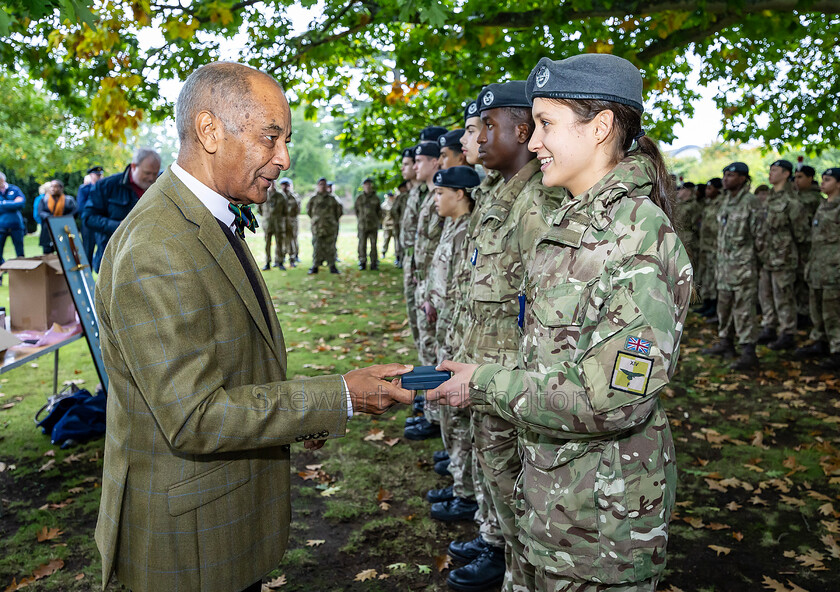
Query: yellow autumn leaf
<point x="365" y="575"/>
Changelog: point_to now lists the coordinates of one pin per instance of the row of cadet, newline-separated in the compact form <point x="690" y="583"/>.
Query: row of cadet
<point x="511" y="271"/>
<point x="775" y="249"/>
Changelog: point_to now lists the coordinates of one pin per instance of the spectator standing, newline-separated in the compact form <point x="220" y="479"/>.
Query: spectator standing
<point x="113" y="197"/>
<point x="94" y="174"/>
<point x="12" y="201"/>
<point x="54" y="203"/>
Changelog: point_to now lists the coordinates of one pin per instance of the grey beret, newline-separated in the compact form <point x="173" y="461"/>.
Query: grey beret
<point x="427" y="149"/>
<point x="737" y="167"/>
<point x="451" y="139"/>
<point x="432" y="133"/>
<point x="503" y="94"/>
<point x="457" y="177"/>
<point x="785" y="164"/>
<point x="470" y="110"/>
<point x="600" y="76"/>
<point x="833" y="172"/>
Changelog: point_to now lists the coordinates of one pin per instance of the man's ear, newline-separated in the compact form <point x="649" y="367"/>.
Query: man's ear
<point x="523" y="133"/>
<point x="603" y="125"/>
<point x="208" y="129"/>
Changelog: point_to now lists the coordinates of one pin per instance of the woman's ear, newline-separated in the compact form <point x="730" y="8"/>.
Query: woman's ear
<point x="603" y="125"/>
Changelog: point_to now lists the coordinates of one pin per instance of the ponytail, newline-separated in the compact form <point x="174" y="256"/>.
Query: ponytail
<point x="663" y="185"/>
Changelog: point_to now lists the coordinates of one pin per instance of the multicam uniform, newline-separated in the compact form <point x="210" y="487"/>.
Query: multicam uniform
<point x="324" y="210"/>
<point x="706" y="266"/>
<point x="448" y="282"/>
<point x="781" y="227"/>
<point x="408" y="234"/>
<point x="607" y="293"/>
<point x="823" y="274"/>
<point x="810" y="199"/>
<point x="291" y="224"/>
<point x="689" y="213"/>
<point x="502" y="235"/>
<point x="397" y="211"/>
<point x="737" y="267"/>
<point x="429" y="231"/>
<point x="368" y="217"/>
<point x="389" y="226"/>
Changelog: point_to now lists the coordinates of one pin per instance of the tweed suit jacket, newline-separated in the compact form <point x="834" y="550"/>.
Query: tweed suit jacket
<point x="195" y="487"/>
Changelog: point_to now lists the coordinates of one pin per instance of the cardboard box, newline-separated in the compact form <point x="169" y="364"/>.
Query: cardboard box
<point x="38" y="293"/>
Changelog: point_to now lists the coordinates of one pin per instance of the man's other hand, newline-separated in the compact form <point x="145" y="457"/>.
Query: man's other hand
<point x="371" y="393"/>
<point x="456" y="390"/>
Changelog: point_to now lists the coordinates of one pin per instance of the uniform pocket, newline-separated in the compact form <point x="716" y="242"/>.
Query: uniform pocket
<point x="498" y="271"/>
<point x="208" y="486"/>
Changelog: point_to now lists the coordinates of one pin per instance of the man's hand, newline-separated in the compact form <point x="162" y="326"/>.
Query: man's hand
<point x="431" y="313"/>
<point x="455" y="391"/>
<point x="370" y="393"/>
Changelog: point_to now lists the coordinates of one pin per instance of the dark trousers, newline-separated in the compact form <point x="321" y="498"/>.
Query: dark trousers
<point x="17" y="241"/>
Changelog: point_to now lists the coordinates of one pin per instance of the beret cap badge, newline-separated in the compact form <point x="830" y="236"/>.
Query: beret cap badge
<point x="472" y="108"/>
<point x="542" y="77"/>
<point x="418" y="150"/>
<point x="488" y="98"/>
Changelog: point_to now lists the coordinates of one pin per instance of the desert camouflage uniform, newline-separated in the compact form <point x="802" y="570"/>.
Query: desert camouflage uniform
<point x="368" y="217"/>
<point x="325" y="212"/>
<point x="705" y="268"/>
<point x="810" y="199"/>
<point x="448" y="280"/>
<point x="781" y="227"/>
<point x="408" y="234"/>
<point x="502" y="238"/>
<point x="291" y="224"/>
<point x="823" y="274"/>
<point x="273" y="212"/>
<point x="607" y="294"/>
<point x="689" y="213"/>
<point x="737" y="266"/>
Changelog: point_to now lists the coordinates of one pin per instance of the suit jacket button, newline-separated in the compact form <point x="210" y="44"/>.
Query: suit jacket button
<point x="299" y="438"/>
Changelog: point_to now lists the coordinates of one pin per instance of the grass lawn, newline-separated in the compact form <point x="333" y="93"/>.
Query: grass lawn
<point x="758" y="498"/>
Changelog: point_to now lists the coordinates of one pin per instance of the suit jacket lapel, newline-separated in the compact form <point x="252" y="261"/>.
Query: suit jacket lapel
<point x="215" y="241"/>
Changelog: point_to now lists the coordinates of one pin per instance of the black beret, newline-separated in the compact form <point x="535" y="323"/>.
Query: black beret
<point x="587" y="76"/>
<point x="451" y="140"/>
<point x="457" y="177"/>
<point x="408" y="152"/>
<point x="503" y="94"/>
<point x="427" y="149"/>
<point x="368" y="180"/>
<point x="432" y="133"/>
<point x="833" y="172"/>
<point x="737" y="167"/>
<point x="324" y="179"/>
<point x="785" y="164"/>
<point x="808" y="171"/>
<point x="470" y="110"/>
<point x="95" y="169"/>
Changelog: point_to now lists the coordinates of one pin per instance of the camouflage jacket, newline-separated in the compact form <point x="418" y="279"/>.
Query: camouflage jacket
<point x="781" y="225"/>
<point x="810" y="199"/>
<point x="388" y="214"/>
<point x="325" y="212"/>
<point x="398" y="209"/>
<point x="689" y="214"/>
<point x="292" y="204"/>
<point x="736" y="260"/>
<point x="273" y="212"/>
<point x="503" y="230"/>
<point x="823" y="268"/>
<point x="607" y="293"/>
<point x="709" y="226"/>
<point x="447" y="283"/>
<point x="368" y="211"/>
<point x="429" y="229"/>
<point x="408" y="224"/>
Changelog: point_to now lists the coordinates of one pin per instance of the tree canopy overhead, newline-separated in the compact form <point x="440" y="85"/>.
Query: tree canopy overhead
<point x="389" y="67"/>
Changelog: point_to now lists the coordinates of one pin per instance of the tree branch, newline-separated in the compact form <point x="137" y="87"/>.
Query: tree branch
<point x="683" y="37"/>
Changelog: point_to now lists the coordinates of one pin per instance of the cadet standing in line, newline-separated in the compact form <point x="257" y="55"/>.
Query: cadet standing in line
<point x="398" y="210"/>
<point x="737" y="269"/>
<point x="451" y="154"/>
<point x="290" y="222"/>
<point x="321" y="209"/>
<point x="498" y="257"/>
<point x="429" y="229"/>
<point x="781" y="227"/>
<point x="368" y="218"/>
<point x="707" y="249"/>
<point x="388" y="224"/>
<point x="823" y="275"/>
<point x="809" y="196"/>
<point x="607" y="294"/>
<point x="273" y="212"/>
<point x="689" y="212"/>
<point x="448" y="283"/>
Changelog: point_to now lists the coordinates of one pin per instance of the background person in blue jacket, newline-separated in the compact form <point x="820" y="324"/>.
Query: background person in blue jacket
<point x="94" y="174"/>
<point x="112" y="198"/>
<point x="12" y="201"/>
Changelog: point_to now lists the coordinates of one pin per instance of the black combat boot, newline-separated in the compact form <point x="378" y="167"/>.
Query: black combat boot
<point x="784" y="342"/>
<point x="422" y="430"/>
<point x="831" y="363"/>
<point x="466" y="551"/>
<point x="454" y="510"/>
<point x="442" y="467"/>
<point x="767" y="335"/>
<point x="440" y="495"/>
<point x="722" y="348"/>
<point x="485" y="571"/>
<point x="334" y="269"/>
<point x="374" y="266"/>
<point x="362" y="265"/>
<point x="312" y="270"/>
<point x="747" y="360"/>
<point x="266" y="267"/>
<point x="711" y="308"/>
<point x="440" y="455"/>
<point x="817" y="349"/>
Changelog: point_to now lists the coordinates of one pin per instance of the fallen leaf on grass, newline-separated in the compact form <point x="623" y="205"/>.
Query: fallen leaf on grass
<point x="720" y="550"/>
<point x="827" y="509"/>
<point x="384" y="495"/>
<point x="819" y="496"/>
<point x="789" y="554"/>
<point x="315" y="542"/>
<point x="813" y="560"/>
<point x="329" y="491"/>
<point x="47" y="569"/>
<point x="738" y="536"/>
<point x="79" y="577"/>
<point x="73" y="458"/>
<point x="47" y="465"/>
<point x="718" y="526"/>
<point x="831" y="544"/>
<point x="442" y="562"/>
<point x="695" y="522"/>
<point x="792" y="501"/>
<point x="375" y="435"/>
<point x="396" y="566"/>
<point x="754" y="468"/>
<point x="832" y="526"/>
<point x="777" y="586"/>
<point x="424" y="569"/>
<point x="3" y="466"/>
<point x="365" y="575"/>
<point x="314" y="467"/>
<point x="48" y="534"/>
<point x="384" y="506"/>
<point x="715" y="485"/>
<point x="757" y="501"/>
<point x="75" y="490"/>
<point x="276" y="582"/>
<point x="392" y="441"/>
<point x="733" y="506"/>
<point x="49" y="453"/>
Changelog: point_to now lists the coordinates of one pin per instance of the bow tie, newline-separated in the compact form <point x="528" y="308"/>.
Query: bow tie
<point x="243" y="218"/>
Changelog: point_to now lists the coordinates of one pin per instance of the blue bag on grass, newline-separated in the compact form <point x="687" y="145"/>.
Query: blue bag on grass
<point x="73" y="417"/>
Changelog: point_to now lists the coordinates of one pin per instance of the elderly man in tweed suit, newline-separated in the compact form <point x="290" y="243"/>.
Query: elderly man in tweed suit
<point x="195" y="488"/>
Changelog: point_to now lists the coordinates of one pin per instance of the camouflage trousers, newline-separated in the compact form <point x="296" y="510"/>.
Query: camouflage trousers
<point x="736" y="311"/>
<point x="825" y="315"/>
<point x="426" y="341"/>
<point x="777" y="297"/>
<point x="545" y="581"/>
<point x="368" y="237"/>
<point x="279" y="247"/>
<point x="704" y="276"/>
<point x="803" y="293"/>
<point x="408" y="291"/>
<point x="457" y="439"/>
<point x="323" y="249"/>
<point x="495" y="447"/>
<point x="292" y="239"/>
<point x="387" y="235"/>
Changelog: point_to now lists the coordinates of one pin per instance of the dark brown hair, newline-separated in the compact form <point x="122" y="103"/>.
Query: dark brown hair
<point x="627" y="124"/>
